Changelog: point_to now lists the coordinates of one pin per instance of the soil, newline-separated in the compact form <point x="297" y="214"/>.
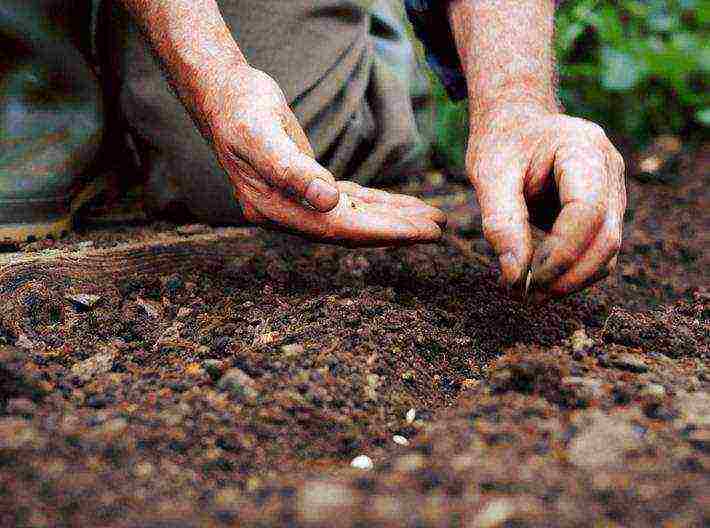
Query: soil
<point x="238" y="392"/>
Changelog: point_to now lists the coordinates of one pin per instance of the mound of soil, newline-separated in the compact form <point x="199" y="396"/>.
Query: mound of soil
<point x="239" y="392"/>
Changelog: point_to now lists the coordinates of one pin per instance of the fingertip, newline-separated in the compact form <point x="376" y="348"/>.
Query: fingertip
<point x="427" y="230"/>
<point x="544" y="267"/>
<point x="511" y="269"/>
<point x="322" y="195"/>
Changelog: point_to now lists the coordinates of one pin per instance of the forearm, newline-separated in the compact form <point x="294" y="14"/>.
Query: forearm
<point x="193" y="44"/>
<point x="506" y="51"/>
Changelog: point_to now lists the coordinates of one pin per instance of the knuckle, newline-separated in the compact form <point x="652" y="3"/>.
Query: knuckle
<point x="594" y="131"/>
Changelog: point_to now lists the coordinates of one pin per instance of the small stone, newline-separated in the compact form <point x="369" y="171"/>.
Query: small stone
<point x="410" y="375"/>
<point x="581" y="342"/>
<point x="629" y="362"/>
<point x="362" y="462"/>
<point x="411" y="416"/>
<point x="587" y="388"/>
<point x="143" y="470"/>
<point x="469" y="384"/>
<point x="193" y="229"/>
<point x="174" y="284"/>
<point x="603" y="443"/>
<point x="152" y="308"/>
<point x="213" y="368"/>
<point x="495" y="513"/>
<point x="114" y="427"/>
<point x="239" y="384"/>
<point x="400" y="440"/>
<point x="654" y="391"/>
<point x="292" y="351"/>
<point x="84" y="301"/>
<point x="99" y="364"/>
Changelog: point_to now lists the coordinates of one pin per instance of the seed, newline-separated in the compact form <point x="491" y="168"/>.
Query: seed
<point x="411" y="415"/>
<point x="400" y="440"/>
<point x="362" y="462"/>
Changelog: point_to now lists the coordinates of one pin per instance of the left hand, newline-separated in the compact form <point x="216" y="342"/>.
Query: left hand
<point x="559" y="173"/>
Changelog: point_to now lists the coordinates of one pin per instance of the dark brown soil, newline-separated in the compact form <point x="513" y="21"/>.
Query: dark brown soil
<point x="240" y="394"/>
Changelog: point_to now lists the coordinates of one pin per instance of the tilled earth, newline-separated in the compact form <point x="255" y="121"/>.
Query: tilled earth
<point x="238" y="390"/>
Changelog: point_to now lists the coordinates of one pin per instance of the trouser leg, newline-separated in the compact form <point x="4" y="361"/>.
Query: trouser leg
<point x="355" y="109"/>
<point x="51" y="118"/>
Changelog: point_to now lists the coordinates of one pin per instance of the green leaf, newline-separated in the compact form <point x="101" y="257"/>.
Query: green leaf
<point x="620" y="71"/>
<point x="703" y="116"/>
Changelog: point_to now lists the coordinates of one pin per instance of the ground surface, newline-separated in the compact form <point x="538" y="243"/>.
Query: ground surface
<point x="236" y="388"/>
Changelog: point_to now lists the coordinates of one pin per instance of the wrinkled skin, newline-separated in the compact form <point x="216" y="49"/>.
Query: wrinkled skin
<point x="278" y="183"/>
<point x="244" y="115"/>
<point x="530" y="164"/>
<point x="561" y="174"/>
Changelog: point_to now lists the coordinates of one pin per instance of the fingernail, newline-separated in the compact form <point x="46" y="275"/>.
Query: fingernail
<point x="511" y="268"/>
<point x="322" y="195"/>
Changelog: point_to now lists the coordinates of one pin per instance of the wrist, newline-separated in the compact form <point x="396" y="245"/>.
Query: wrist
<point x="520" y="94"/>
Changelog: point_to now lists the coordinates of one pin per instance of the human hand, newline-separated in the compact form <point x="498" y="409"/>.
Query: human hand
<point x="278" y="183"/>
<point x="559" y="173"/>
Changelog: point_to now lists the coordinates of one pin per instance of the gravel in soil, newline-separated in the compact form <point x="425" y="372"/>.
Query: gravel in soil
<point x="306" y="385"/>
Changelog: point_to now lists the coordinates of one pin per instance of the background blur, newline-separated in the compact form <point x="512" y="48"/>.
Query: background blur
<point x="638" y="68"/>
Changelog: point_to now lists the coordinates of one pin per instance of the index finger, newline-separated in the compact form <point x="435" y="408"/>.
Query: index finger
<point x="582" y="181"/>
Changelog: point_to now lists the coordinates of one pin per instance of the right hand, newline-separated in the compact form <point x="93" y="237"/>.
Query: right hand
<point x="278" y="183"/>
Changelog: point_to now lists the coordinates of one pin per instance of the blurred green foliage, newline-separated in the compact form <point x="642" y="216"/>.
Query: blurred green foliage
<point x="638" y="68"/>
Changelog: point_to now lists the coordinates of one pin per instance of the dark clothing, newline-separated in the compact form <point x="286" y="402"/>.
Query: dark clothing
<point x="346" y="66"/>
<point x="432" y="27"/>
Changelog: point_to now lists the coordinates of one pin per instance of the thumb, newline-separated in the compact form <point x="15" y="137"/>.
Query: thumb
<point x="284" y="165"/>
<point x="505" y="219"/>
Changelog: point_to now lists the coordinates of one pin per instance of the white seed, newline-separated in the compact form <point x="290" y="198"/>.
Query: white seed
<point x="362" y="462"/>
<point x="411" y="415"/>
<point x="528" y="281"/>
<point x="400" y="440"/>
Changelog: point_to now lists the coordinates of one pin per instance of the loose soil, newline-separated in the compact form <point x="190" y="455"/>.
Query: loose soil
<point x="235" y="386"/>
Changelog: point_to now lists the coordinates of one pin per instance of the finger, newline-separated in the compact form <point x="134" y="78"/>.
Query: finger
<point x="582" y="178"/>
<point x="499" y="188"/>
<point x="350" y="223"/>
<point x="409" y="204"/>
<point x="595" y="265"/>
<point x="295" y="132"/>
<point x="283" y="165"/>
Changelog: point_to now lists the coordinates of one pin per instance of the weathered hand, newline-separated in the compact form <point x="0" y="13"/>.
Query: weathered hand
<point x="559" y="173"/>
<point x="270" y="162"/>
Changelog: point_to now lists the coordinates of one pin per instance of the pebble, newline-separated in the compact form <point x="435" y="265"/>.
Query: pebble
<point x="292" y="351"/>
<point x="400" y="440"/>
<point x="98" y="364"/>
<point x="581" y="342"/>
<point x="213" y="367"/>
<point x="193" y="229"/>
<point x="495" y="513"/>
<point x="411" y="415"/>
<point x="629" y="362"/>
<point x="84" y="300"/>
<point x="238" y="383"/>
<point x="362" y="462"/>
<point x="653" y="390"/>
<point x="603" y="443"/>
